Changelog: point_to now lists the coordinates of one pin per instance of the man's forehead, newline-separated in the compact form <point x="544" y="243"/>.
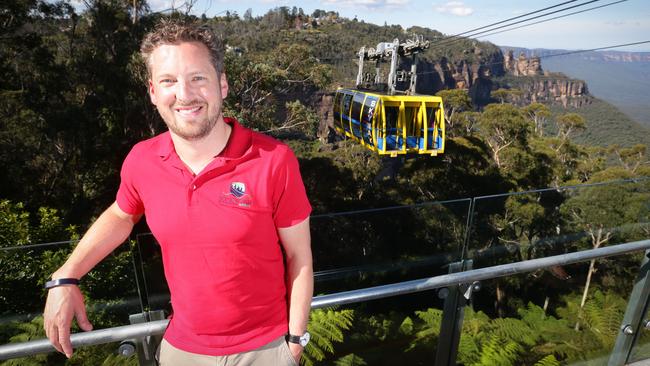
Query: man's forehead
<point x="188" y="46"/>
<point x="177" y="56"/>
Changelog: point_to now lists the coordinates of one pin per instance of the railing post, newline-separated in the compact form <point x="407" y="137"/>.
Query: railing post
<point x="146" y="347"/>
<point x="456" y="298"/>
<point x="634" y="315"/>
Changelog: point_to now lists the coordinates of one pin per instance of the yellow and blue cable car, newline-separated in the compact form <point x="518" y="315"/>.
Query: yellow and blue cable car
<point x="391" y="124"/>
<point x="385" y="118"/>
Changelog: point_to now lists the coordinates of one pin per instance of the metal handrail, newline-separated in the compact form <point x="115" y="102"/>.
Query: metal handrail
<point x="116" y="334"/>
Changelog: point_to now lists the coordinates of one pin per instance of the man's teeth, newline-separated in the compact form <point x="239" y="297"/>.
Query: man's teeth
<point x="188" y="111"/>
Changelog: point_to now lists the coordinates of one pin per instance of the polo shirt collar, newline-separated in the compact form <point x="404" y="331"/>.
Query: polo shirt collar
<point x="165" y="145"/>
<point x="239" y="142"/>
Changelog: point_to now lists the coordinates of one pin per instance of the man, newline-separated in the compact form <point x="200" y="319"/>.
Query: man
<point x="224" y="203"/>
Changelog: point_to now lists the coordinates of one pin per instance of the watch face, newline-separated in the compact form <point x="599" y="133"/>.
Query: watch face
<point x="305" y="339"/>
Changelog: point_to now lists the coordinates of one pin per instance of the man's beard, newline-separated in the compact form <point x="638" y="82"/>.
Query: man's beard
<point x="195" y="130"/>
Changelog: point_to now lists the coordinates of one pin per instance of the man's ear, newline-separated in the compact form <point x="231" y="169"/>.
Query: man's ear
<point x="223" y="83"/>
<point x="152" y="94"/>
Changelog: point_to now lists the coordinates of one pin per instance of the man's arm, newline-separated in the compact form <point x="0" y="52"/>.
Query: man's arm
<point x="65" y="302"/>
<point x="296" y="241"/>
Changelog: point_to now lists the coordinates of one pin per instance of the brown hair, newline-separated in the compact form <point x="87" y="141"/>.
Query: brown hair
<point x="172" y="32"/>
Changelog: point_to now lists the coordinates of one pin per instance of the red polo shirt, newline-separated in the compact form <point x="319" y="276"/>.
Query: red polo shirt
<point x="218" y="234"/>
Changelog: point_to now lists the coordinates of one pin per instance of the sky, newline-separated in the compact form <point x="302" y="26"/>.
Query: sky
<point x="625" y="22"/>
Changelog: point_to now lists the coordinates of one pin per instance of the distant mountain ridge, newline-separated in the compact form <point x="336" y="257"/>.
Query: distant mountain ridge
<point x="606" y="56"/>
<point x="621" y="78"/>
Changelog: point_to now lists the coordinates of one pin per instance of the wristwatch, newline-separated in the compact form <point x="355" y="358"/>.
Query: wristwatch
<point x="301" y="340"/>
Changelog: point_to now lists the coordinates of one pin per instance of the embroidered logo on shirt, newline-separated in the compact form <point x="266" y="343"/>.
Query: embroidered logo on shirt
<point x="237" y="195"/>
<point x="238" y="189"/>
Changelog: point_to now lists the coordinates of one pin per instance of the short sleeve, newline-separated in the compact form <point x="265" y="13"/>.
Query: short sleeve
<point x="291" y="205"/>
<point x="128" y="198"/>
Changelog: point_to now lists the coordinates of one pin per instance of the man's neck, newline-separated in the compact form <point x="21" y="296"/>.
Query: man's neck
<point x="198" y="153"/>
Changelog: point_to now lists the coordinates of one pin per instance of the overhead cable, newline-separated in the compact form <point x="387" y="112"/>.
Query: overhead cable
<point x="450" y="41"/>
<point x="557" y="17"/>
<point x="595" y="49"/>
<point x="513" y="18"/>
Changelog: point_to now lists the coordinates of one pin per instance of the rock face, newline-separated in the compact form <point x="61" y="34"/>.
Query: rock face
<point x="566" y="92"/>
<point x="544" y="87"/>
<point x="325" y="110"/>
<point x="476" y="78"/>
<point x="522" y="66"/>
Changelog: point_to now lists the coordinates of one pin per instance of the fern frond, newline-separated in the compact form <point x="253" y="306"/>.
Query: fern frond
<point x="512" y="329"/>
<point x="326" y="327"/>
<point x="350" y="360"/>
<point x="499" y="352"/>
<point x="468" y="349"/>
<point x="474" y="322"/>
<point x="406" y="328"/>
<point x="549" y="360"/>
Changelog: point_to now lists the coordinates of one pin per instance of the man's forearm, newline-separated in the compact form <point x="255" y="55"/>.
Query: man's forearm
<point x="105" y="234"/>
<point x="296" y="241"/>
<point x="301" y="289"/>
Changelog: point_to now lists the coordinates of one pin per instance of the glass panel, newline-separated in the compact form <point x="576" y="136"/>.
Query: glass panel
<point x="109" y="289"/>
<point x="151" y="276"/>
<point x="353" y="250"/>
<point x="572" y="313"/>
<point x="103" y="354"/>
<point x="360" y="249"/>
<point x="527" y="318"/>
<point x="641" y="347"/>
<point x="519" y="226"/>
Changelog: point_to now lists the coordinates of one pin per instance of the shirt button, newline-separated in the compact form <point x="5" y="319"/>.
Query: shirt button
<point x="194" y="187"/>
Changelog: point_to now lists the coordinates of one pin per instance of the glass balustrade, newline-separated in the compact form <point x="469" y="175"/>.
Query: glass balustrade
<point x="541" y="317"/>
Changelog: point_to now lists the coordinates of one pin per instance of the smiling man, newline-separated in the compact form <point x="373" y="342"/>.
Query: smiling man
<point x="227" y="206"/>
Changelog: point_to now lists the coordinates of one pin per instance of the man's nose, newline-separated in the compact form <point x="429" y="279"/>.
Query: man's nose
<point x="184" y="90"/>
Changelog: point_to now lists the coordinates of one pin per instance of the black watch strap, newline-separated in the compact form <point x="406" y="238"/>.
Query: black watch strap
<point x="302" y="340"/>
<point x="293" y="338"/>
<point x="61" y="282"/>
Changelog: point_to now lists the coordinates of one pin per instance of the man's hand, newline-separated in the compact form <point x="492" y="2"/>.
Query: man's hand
<point x="64" y="303"/>
<point x="296" y="351"/>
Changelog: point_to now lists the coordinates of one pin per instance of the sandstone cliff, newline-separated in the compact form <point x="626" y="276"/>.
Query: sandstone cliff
<point x="474" y="74"/>
<point x="526" y="74"/>
<point x="522" y="66"/>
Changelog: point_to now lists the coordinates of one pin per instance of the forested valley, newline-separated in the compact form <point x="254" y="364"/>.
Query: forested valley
<point x="513" y="184"/>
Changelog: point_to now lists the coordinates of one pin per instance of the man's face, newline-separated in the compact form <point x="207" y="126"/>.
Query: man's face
<point x="186" y="89"/>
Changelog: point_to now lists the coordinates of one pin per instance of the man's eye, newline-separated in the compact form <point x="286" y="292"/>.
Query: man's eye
<point x="199" y="78"/>
<point x="166" y="81"/>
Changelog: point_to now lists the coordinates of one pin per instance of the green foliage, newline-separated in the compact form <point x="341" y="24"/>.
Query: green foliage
<point x="538" y="113"/>
<point x="600" y="318"/>
<point x="429" y="328"/>
<point x="569" y="123"/>
<point x="606" y="126"/>
<point x="29" y="331"/>
<point x="534" y="337"/>
<point x="326" y="326"/>
<point x="457" y="104"/>
<point x="502" y="126"/>
<point x="26" y="268"/>
<point x="350" y="360"/>
<point x="498" y="351"/>
<point x="549" y="360"/>
<point x="506" y="95"/>
<point x="602" y="211"/>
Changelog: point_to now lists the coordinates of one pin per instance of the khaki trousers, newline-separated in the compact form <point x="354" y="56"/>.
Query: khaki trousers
<point x="275" y="353"/>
